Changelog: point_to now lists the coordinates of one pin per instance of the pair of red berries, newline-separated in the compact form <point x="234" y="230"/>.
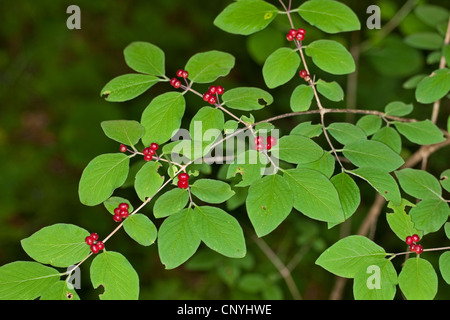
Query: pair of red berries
<point x="210" y="95"/>
<point x="304" y="74"/>
<point x="183" y="180"/>
<point x="121" y="212"/>
<point x="298" y="34"/>
<point x="95" y="245"/>
<point x="260" y="145"/>
<point x="149" y="152"/>
<point x="412" y="242"/>
<point x="174" y="82"/>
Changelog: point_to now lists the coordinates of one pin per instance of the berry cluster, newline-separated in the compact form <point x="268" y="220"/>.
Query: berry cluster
<point x="121" y="212"/>
<point x="412" y="242"/>
<point x="96" y="246"/>
<point x="174" y="82"/>
<point x="149" y="152"/>
<point x="123" y="148"/>
<point x="260" y="145"/>
<point x="210" y="95"/>
<point x="298" y="34"/>
<point x="305" y="75"/>
<point x="183" y="180"/>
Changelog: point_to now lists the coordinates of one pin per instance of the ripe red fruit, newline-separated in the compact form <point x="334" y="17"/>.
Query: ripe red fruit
<point x="182" y="184"/>
<point x="94" y="236"/>
<point x="418" y="249"/>
<point x="124" y="214"/>
<point x="268" y="146"/>
<point x="415" y="238"/>
<point x="301" y="31"/>
<point x="303" y="73"/>
<point x="289" y="37"/>
<point x="212" y="100"/>
<point x="94" y="248"/>
<point x="271" y="140"/>
<point x="183" y="176"/>
<point x="124" y="206"/>
<point x="100" y="245"/>
<point x="177" y="84"/>
<point x="206" y="96"/>
<point x="89" y="240"/>
<point x="219" y="90"/>
<point x="212" y="89"/>
<point x="292" y="32"/>
<point x="117" y="217"/>
<point x="409" y="240"/>
<point x="185" y="74"/>
<point x="258" y="140"/>
<point x="148" y="157"/>
<point x="260" y="147"/>
<point x="412" y="247"/>
<point x="300" y="36"/>
<point x="154" y="146"/>
<point x="180" y="73"/>
<point x="123" y="148"/>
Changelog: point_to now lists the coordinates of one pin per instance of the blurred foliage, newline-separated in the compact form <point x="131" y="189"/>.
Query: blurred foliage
<point x="51" y="111"/>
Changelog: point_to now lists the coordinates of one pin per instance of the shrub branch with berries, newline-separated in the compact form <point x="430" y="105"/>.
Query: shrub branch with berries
<point x="318" y="167"/>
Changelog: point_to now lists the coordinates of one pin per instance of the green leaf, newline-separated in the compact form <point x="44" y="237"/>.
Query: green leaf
<point x="301" y="98"/>
<point x="433" y="87"/>
<point x="211" y="191"/>
<point x="381" y="181"/>
<point x="25" y="280"/>
<point x="369" y="124"/>
<point x="297" y="149"/>
<point x="399" y="221"/>
<point x="412" y="82"/>
<point x="331" y="56"/>
<point x="114" y="202"/>
<point x="162" y="117"/>
<point x="280" y="67"/>
<point x="145" y="57"/>
<point x="206" y="67"/>
<point x="430" y="215"/>
<point x="148" y="181"/>
<point x="170" y="202"/>
<point x="447" y="229"/>
<point x="246" y="17"/>
<point x="348" y="191"/>
<point x="206" y="124"/>
<point x="60" y="245"/>
<point x="307" y="129"/>
<point x="141" y="229"/>
<point x="247" y="98"/>
<point x="261" y="44"/>
<point x="324" y="165"/>
<point x="127" y="87"/>
<point x="101" y="177"/>
<point x="60" y="291"/>
<point x="112" y="271"/>
<point x="366" y="280"/>
<point x="444" y="266"/>
<point x="250" y="164"/>
<point x="398" y="108"/>
<point x="431" y="15"/>
<point x="418" y="280"/>
<point x="347" y="257"/>
<point x="329" y="16"/>
<point x="252" y="282"/>
<point x="220" y="231"/>
<point x="445" y="180"/>
<point x="268" y="203"/>
<point x="330" y="90"/>
<point x="419" y="183"/>
<point x="128" y="132"/>
<point x="420" y="132"/>
<point x="425" y="40"/>
<point x="346" y="133"/>
<point x="390" y="137"/>
<point x="177" y="239"/>
<point x="372" y="154"/>
<point x="314" y="195"/>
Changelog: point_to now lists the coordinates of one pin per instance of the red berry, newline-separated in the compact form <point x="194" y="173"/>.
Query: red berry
<point x="183" y="176"/>
<point x="212" y="100"/>
<point x="148" y="157"/>
<point x="124" y="214"/>
<point x="117" y="210"/>
<point x="418" y="249"/>
<point x="301" y="31"/>
<point x="182" y="184"/>
<point x="94" y="236"/>
<point x="292" y="32"/>
<point x="117" y="217"/>
<point x="409" y="240"/>
<point x="154" y="146"/>
<point x="212" y="89"/>
<point x="89" y="240"/>
<point x="300" y="36"/>
<point x="415" y="238"/>
<point x="412" y="247"/>
<point x="206" y="96"/>
<point x="180" y="73"/>
<point x="172" y="81"/>
<point x="260" y="147"/>
<point x="124" y="206"/>
<point x="177" y="84"/>
<point x="146" y="151"/>
<point x="303" y="73"/>
<point x="258" y="140"/>
<point x="100" y="245"/>
<point x="219" y="90"/>
<point x="289" y="37"/>
<point x="271" y="140"/>
<point x="123" y="148"/>
<point x="268" y="146"/>
<point x="94" y="248"/>
<point x="185" y="74"/>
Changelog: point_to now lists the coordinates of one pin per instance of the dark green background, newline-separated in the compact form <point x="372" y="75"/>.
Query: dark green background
<point x="51" y="109"/>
